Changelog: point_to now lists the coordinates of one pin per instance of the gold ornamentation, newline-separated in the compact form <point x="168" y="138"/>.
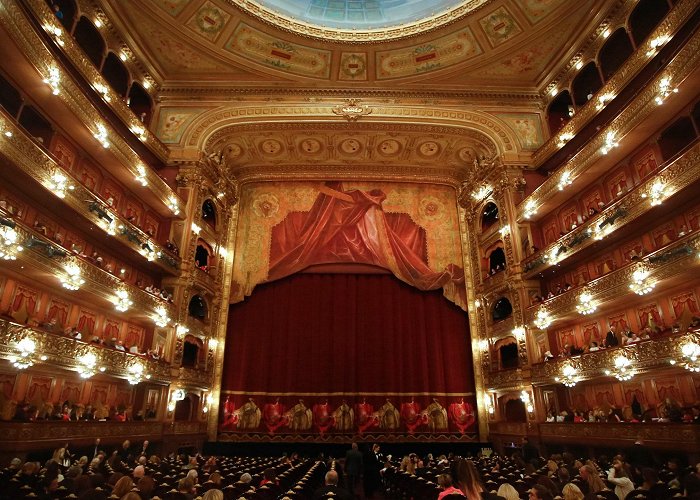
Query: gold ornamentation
<point x="352" y="110"/>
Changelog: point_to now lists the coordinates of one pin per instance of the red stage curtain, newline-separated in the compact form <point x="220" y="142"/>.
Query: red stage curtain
<point x="349" y="334"/>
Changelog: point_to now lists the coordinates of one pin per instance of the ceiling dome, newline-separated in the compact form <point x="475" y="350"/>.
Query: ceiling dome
<point x="354" y="20"/>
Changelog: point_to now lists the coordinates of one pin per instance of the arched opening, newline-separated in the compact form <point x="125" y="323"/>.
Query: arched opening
<point x="192" y="347"/>
<point x="203" y="256"/>
<point x="515" y="411"/>
<point x="197" y="307"/>
<point x="645" y="17"/>
<point x="615" y="52"/>
<point x="508" y="354"/>
<point x="676" y="137"/>
<point x="497" y="260"/>
<point x="489" y="216"/>
<point x="183" y="410"/>
<point x="36" y="125"/>
<point x="140" y="103"/>
<point x="209" y="212"/>
<point x="586" y="83"/>
<point x="560" y="111"/>
<point x="502" y="309"/>
<point x="90" y="40"/>
<point x="10" y="98"/>
<point x="65" y="11"/>
<point x="116" y="74"/>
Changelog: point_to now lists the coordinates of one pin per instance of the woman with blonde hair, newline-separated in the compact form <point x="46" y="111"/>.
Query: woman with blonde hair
<point x="572" y="492"/>
<point x="213" y="495"/>
<point x="507" y="491"/>
<point x="592" y="481"/>
<point x="466" y="478"/>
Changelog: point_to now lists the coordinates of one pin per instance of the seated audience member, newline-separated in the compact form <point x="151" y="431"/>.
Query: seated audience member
<point x="507" y="491"/>
<point x="445" y="482"/>
<point x="186" y="487"/>
<point x="539" y="492"/>
<point x="571" y="492"/>
<point x="331" y="488"/>
<point x="618" y="476"/>
<point x="592" y="483"/>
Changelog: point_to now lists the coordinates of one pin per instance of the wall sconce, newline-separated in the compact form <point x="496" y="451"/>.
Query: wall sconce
<point x="554" y="91"/>
<point x="53" y="80"/>
<point x="196" y="229"/>
<point x="543" y="319"/>
<point x="139" y="132"/>
<point x="141" y="175"/>
<point x="205" y="404"/>
<point x="173" y="205"/>
<point x="585" y="304"/>
<point x="160" y="318"/>
<point x="121" y="300"/>
<point x="25" y="354"/>
<point x="504" y="230"/>
<point x="483" y="345"/>
<point x="482" y="192"/>
<point x="665" y="90"/>
<point x="488" y="404"/>
<point x="148" y="251"/>
<point x="102" y="136"/>
<point x="610" y="143"/>
<point x="175" y="396"/>
<point x="103" y="90"/>
<point x="525" y="398"/>
<point x="604" y="99"/>
<point x="566" y="136"/>
<point x="56" y="32"/>
<point x="213" y="343"/>
<point x="640" y="285"/>
<point x="87" y="365"/>
<point x="656" y="43"/>
<point x="556" y="254"/>
<point x="136" y="373"/>
<point x="72" y="279"/>
<point x="530" y="209"/>
<point x="622" y="369"/>
<point x="657" y="193"/>
<point x="181" y="330"/>
<point x="691" y="353"/>
<point x="59" y="184"/>
<point x="9" y="248"/>
<point x="565" y="180"/>
<point x="519" y="333"/>
<point x="569" y="375"/>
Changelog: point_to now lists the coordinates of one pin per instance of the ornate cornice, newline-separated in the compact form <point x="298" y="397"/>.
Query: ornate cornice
<point x="637" y="112"/>
<point x="611" y="435"/>
<point x="29" y="157"/>
<point x="32" y="46"/>
<point x="645" y="356"/>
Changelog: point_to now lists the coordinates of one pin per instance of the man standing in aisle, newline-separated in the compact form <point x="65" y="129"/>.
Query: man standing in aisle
<point x="353" y="467"/>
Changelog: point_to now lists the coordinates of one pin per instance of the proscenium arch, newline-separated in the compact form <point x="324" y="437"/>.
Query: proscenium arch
<point x="199" y="132"/>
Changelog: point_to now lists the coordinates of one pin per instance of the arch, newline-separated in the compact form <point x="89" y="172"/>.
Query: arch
<point x="68" y="10"/>
<point x="192" y="351"/>
<point x="586" y="83"/>
<point x="645" y="17"/>
<point x="140" y="103"/>
<point x="676" y="137"/>
<point x="514" y="410"/>
<point x="183" y="409"/>
<point x="10" y="98"/>
<point x="497" y="259"/>
<point x="559" y="112"/>
<point x="209" y="212"/>
<point x="615" y="51"/>
<point x="203" y="255"/>
<point x="502" y="309"/>
<point x="36" y="125"/>
<point x="116" y="74"/>
<point x="489" y="215"/>
<point x="90" y="40"/>
<point x="197" y="307"/>
<point x="508" y="354"/>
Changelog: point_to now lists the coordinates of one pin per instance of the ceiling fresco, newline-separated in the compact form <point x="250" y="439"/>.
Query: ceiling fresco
<point x="501" y="43"/>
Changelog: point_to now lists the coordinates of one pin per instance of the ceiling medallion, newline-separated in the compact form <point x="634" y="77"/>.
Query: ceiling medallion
<point x="352" y="110"/>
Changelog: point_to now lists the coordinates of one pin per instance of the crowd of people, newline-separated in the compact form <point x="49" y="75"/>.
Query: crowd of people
<point x="135" y="473"/>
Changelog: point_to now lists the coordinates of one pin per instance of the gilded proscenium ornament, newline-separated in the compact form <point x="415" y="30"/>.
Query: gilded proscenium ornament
<point x="31" y="159"/>
<point x="645" y="357"/>
<point x="638" y="111"/>
<point x="676" y="260"/>
<point x="682" y="172"/>
<point x="352" y="110"/>
<point x="80" y="61"/>
<point x="619" y="80"/>
<point x="61" y="352"/>
<point x="22" y="32"/>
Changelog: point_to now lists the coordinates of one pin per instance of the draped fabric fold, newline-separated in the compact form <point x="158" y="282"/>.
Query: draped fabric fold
<point x="352" y="227"/>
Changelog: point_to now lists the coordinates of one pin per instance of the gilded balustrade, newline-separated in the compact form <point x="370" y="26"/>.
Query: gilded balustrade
<point x="63" y="352"/>
<point x="677" y="175"/>
<point x="638" y="111"/>
<point x="670" y="261"/>
<point x="657" y="435"/>
<point x="31" y="44"/>
<point x="620" y="79"/>
<point x="645" y="356"/>
<point x="31" y="158"/>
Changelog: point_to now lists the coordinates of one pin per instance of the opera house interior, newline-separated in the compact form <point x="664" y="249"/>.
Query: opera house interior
<point x="262" y="227"/>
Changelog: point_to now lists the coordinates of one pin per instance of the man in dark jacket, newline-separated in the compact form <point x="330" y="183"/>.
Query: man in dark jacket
<point x="353" y="467"/>
<point x="331" y="489"/>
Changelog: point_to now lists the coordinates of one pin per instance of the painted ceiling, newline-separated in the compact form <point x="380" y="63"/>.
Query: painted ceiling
<point x="513" y="45"/>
